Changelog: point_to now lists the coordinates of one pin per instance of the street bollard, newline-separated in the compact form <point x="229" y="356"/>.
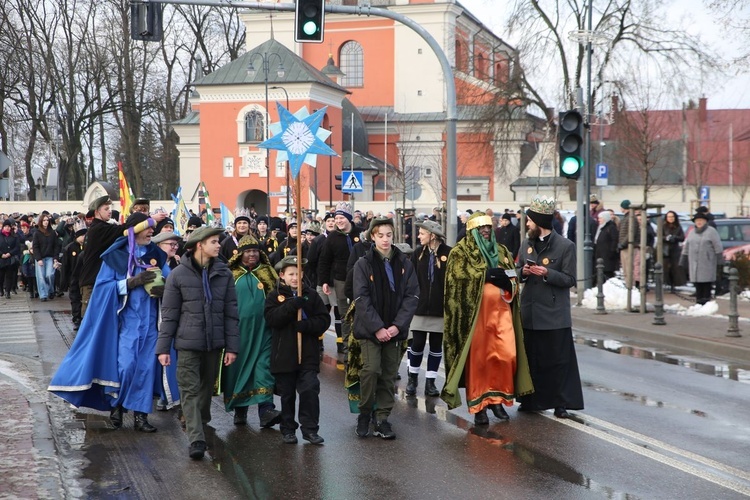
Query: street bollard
<point x="734" y="329"/>
<point x="600" y="287"/>
<point x="659" y="295"/>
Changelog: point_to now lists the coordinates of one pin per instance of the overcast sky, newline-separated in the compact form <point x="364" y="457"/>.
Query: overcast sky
<point x="735" y="94"/>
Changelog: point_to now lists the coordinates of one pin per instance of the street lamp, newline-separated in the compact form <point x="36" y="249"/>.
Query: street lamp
<point x="265" y="60"/>
<point x="288" y="206"/>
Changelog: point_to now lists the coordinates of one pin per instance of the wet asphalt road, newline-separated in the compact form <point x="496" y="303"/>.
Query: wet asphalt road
<point x="650" y="430"/>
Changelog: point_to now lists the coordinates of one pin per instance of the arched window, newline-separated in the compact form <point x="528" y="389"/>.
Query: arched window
<point x="254" y="127"/>
<point x="351" y="59"/>
<point x="502" y="71"/>
<point x="461" y="58"/>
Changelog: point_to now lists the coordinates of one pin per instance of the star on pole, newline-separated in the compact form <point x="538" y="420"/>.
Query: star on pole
<point x="298" y="138"/>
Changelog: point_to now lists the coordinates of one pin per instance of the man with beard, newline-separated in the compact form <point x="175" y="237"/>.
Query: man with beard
<point x="482" y="334"/>
<point x="241" y="228"/>
<point x="548" y="271"/>
<point x="249" y="381"/>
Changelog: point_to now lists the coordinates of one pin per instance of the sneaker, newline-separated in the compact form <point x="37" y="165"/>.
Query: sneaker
<point x="313" y="438"/>
<point x="270" y="418"/>
<point x="197" y="449"/>
<point x="289" y="439"/>
<point x="363" y="425"/>
<point x="383" y="430"/>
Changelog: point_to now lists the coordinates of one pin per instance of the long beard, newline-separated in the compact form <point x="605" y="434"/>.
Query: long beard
<point x="534" y="234"/>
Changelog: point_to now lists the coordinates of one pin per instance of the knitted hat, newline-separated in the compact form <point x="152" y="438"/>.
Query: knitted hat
<point x="9" y="222"/>
<point x="161" y="224"/>
<point x="507" y="216"/>
<point x="344" y="208"/>
<point x="625" y="204"/>
<point x="195" y="221"/>
<point x="328" y="215"/>
<point x="541" y="210"/>
<point x="263" y="219"/>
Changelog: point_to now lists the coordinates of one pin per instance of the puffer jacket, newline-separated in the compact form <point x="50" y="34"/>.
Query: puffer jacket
<point x="192" y="322"/>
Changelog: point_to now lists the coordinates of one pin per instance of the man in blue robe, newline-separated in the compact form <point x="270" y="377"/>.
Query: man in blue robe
<point x="115" y="372"/>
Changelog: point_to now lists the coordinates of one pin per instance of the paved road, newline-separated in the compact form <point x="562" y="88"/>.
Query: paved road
<point x="651" y="429"/>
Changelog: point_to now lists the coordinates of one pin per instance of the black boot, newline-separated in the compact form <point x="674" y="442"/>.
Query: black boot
<point x="240" y="415"/>
<point x="411" y="385"/>
<point x="481" y="418"/>
<point x="115" y="417"/>
<point x="429" y="388"/>
<point x="141" y="422"/>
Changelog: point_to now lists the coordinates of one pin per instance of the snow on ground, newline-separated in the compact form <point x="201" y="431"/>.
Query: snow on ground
<point x="616" y="298"/>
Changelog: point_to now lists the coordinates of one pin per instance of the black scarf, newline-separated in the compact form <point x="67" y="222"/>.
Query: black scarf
<point x="386" y="301"/>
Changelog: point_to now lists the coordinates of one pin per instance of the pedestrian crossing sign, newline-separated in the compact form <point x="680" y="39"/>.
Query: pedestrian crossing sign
<point x="351" y="181"/>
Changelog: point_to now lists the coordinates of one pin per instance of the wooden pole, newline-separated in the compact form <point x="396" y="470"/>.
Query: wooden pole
<point x="299" y="261"/>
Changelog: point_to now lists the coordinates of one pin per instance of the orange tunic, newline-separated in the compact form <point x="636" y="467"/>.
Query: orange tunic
<point x="491" y="364"/>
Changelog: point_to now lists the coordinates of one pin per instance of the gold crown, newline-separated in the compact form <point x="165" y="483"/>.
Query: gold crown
<point x="543" y="205"/>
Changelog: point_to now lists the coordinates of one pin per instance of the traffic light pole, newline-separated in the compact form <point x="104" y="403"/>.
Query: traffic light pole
<point x="588" y="245"/>
<point x="451" y="109"/>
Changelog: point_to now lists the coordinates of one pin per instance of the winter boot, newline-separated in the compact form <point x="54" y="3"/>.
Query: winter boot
<point x="240" y="415"/>
<point x="411" y="385"/>
<point x="141" y="422"/>
<point x="429" y="388"/>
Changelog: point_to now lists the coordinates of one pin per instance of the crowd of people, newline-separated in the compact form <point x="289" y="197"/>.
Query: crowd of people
<point x="240" y="312"/>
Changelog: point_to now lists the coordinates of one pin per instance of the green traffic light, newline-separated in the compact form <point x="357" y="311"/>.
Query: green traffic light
<point x="310" y="28"/>
<point x="571" y="165"/>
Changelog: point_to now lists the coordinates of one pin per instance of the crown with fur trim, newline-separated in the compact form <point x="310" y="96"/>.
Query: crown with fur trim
<point x="543" y="205"/>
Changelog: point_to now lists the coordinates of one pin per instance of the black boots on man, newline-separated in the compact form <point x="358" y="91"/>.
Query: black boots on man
<point x="429" y="388"/>
<point x="141" y="422"/>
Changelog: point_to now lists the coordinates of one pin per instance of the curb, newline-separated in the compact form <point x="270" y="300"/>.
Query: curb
<point x="656" y="335"/>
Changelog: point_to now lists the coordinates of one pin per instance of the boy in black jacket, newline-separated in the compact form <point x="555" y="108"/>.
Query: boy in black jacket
<point x="295" y="349"/>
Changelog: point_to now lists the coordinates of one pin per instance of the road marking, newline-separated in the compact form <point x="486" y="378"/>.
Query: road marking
<point x="18" y="328"/>
<point x="660" y="457"/>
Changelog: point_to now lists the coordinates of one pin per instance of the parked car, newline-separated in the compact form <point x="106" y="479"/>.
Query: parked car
<point x="733" y="232"/>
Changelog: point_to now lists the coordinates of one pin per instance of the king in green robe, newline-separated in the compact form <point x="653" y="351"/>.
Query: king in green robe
<point x="466" y="296"/>
<point x="248" y="381"/>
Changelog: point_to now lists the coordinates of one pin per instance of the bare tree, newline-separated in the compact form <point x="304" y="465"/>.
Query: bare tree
<point x="542" y="28"/>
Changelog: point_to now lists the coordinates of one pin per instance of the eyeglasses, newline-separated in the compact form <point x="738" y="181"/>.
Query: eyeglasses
<point x="173" y="245"/>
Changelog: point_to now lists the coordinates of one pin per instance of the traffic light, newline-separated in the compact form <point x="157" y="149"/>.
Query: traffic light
<point x="309" y="17"/>
<point x="338" y="178"/>
<point x="570" y="145"/>
<point x="146" y="21"/>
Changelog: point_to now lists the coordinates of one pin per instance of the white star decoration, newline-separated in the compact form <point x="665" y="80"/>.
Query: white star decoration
<point x="298" y="138"/>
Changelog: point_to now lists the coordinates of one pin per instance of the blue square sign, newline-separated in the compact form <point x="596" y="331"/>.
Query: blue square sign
<point x="352" y="181"/>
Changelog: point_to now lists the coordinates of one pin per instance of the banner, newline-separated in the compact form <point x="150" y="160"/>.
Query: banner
<point x="205" y="204"/>
<point x="180" y="214"/>
<point x="227" y="217"/>
<point x="126" y="195"/>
